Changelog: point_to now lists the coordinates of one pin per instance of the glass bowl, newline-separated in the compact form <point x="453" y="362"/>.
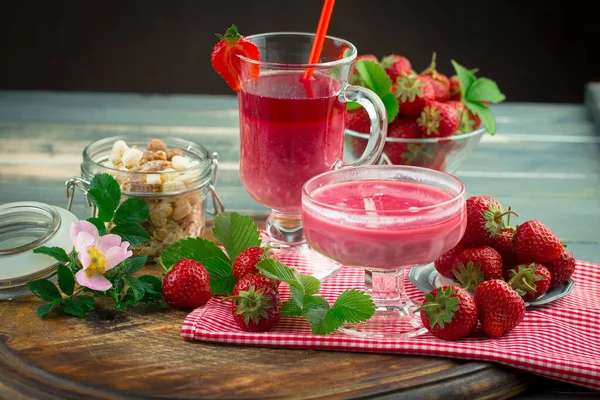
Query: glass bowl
<point x="442" y="154"/>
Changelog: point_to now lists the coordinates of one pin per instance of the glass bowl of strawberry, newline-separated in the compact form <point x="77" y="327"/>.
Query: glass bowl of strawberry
<point x="444" y="154"/>
<point x="434" y="121"/>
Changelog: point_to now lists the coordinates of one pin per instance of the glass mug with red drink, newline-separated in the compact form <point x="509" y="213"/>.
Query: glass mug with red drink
<point x="292" y="117"/>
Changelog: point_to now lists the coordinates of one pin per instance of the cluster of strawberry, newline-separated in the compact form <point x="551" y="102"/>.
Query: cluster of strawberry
<point x="256" y="305"/>
<point x="428" y="104"/>
<point x="497" y="269"/>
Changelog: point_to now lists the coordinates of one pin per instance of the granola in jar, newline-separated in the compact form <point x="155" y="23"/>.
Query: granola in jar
<point x="172" y="176"/>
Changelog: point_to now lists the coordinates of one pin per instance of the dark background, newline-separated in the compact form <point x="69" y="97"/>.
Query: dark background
<point x="534" y="50"/>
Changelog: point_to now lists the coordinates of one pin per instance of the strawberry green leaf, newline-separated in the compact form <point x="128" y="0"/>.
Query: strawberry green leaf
<point x="374" y="77"/>
<point x="99" y="224"/>
<point x="354" y="306"/>
<point x="66" y="280"/>
<point x="352" y="106"/>
<point x="107" y="184"/>
<point x="133" y="210"/>
<point x="103" y="202"/>
<point x="58" y="253"/>
<point x="231" y="35"/>
<point x="487" y="117"/>
<point x="135" y="234"/>
<point x="77" y="306"/>
<point x="290" y="309"/>
<point x="221" y="276"/>
<point x="391" y="105"/>
<point x="274" y="269"/>
<point x="46" y="308"/>
<point x="484" y="89"/>
<point x="134" y="264"/>
<point x="236" y="232"/>
<point x="311" y="284"/>
<point x="44" y="289"/>
<point x="197" y="249"/>
<point x="465" y="77"/>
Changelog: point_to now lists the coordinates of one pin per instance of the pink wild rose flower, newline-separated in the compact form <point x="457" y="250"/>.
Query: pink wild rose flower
<point x="97" y="254"/>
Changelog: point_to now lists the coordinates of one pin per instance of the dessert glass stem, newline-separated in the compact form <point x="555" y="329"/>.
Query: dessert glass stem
<point x="285" y="230"/>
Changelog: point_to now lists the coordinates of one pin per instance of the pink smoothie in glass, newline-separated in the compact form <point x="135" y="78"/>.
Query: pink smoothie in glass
<point x="287" y="137"/>
<point x="378" y="224"/>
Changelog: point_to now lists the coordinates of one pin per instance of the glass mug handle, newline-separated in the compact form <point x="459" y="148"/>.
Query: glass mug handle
<point x="379" y="121"/>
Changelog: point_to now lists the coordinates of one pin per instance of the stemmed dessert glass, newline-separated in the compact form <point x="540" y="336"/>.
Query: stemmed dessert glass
<point x="384" y="219"/>
<point x="292" y="123"/>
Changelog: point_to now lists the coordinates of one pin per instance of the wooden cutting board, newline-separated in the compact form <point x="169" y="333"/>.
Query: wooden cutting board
<point x="139" y="354"/>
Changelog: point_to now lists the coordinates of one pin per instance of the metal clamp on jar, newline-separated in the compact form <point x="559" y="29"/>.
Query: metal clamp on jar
<point x="173" y="176"/>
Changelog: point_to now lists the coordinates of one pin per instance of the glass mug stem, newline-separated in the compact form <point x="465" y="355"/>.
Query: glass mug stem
<point x="379" y="121"/>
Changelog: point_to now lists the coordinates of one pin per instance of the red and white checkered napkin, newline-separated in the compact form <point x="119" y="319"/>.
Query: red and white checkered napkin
<point x="560" y="340"/>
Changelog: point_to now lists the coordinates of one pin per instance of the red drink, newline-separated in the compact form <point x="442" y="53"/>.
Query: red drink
<point x="287" y="136"/>
<point x="382" y="224"/>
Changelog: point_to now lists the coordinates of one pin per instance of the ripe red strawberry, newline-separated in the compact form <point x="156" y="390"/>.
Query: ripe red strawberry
<point x="186" y="285"/>
<point x="475" y="265"/>
<point x="396" y="66"/>
<point x="438" y="120"/>
<point x="358" y="120"/>
<point x="437" y="76"/>
<point x="529" y="280"/>
<point x="225" y="60"/>
<point x="485" y="218"/>
<point x="454" y="88"/>
<point x="256" y="309"/>
<point x="441" y="91"/>
<point x="257" y="280"/>
<point x="465" y="123"/>
<point x="502" y="243"/>
<point x="245" y="262"/>
<point x="500" y="308"/>
<point x="445" y="263"/>
<point x="413" y="93"/>
<point x="534" y="241"/>
<point x="562" y="268"/>
<point x="403" y="153"/>
<point x="449" y="312"/>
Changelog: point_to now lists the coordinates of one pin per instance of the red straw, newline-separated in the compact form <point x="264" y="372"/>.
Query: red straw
<point x="317" y="46"/>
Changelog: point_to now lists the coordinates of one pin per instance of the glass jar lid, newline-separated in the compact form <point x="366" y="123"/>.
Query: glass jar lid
<point x="25" y="226"/>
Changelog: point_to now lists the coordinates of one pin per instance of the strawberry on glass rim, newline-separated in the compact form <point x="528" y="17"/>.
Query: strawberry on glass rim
<point x="225" y="57"/>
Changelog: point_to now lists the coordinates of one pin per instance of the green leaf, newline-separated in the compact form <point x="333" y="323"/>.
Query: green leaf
<point x="107" y="184"/>
<point x="391" y="106"/>
<point x="311" y="284"/>
<point x="352" y="106"/>
<point x="322" y="321"/>
<point x="58" y="253"/>
<point x="46" y="308"/>
<point x="297" y="294"/>
<point x="77" y="306"/>
<point x="132" y="211"/>
<point x="465" y="77"/>
<point x="192" y="248"/>
<point x="221" y="276"/>
<point x="138" y="287"/>
<point x="66" y="280"/>
<point x="104" y="203"/>
<point x="374" y="77"/>
<point x="290" y="308"/>
<point x="315" y="301"/>
<point x="133" y="265"/>
<point x="99" y="224"/>
<point x="354" y="306"/>
<point x="236" y="232"/>
<point x="153" y="296"/>
<point x="274" y="269"/>
<point x="135" y="234"/>
<point x="115" y="291"/>
<point x="484" y="90"/>
<point x="44" y="289"/>
<point x="487" y="117"/>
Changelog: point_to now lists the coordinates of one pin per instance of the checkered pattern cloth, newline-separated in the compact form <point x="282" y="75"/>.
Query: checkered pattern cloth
<point x="560" y="340"/>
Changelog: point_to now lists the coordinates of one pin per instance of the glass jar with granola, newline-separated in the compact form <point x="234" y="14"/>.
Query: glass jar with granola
<point x="173" y="176"/>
